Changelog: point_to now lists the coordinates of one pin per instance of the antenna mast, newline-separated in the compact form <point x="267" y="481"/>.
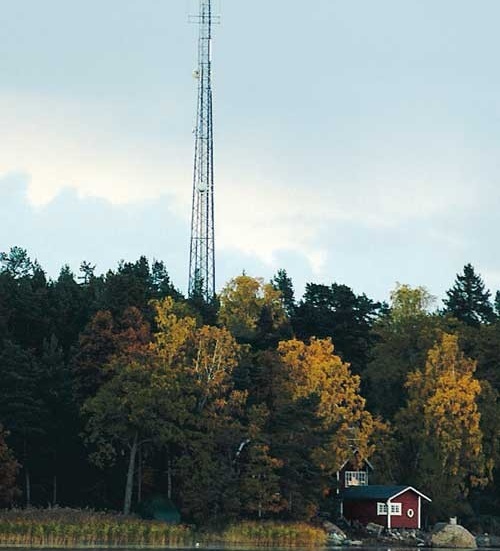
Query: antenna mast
<point x="202" y="247"/>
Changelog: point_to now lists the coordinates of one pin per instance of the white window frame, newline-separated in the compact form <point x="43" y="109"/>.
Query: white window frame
<point x="381" y="509"/>
<point x="396" y="509"/>
<point x="356" y="478"/>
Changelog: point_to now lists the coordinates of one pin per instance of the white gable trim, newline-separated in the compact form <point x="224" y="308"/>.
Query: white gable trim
<point x="409" y="488"/>
<point x="419" y="512"/>
<point x="350" y="459"/>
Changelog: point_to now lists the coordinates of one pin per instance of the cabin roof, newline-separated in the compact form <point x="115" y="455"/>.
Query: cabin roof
<point x="355" y="452"/>
<point x="359" y="493"/>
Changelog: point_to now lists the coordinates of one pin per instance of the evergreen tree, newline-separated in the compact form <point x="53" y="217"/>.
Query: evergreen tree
<point x="259" y="476"/>
<point x="402" y="336"/>
<point x="8" y="471"/>
<point x="16" y="263"/>
<point x="69" y="309"/>
<point x="284" y="285"/>
<point x="22" y="409"/>
<point x="336" y="312"/>
<point x="468" y="300"/>
<point x="497" y="303"/>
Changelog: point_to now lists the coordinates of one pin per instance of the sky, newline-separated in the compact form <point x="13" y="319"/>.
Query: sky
<point x="357" y="142"/>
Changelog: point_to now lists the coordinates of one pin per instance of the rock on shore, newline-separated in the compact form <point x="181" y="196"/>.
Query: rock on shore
<point x="452" y="536"/>
<point x="335" y="534"/>
<point x="486" y="540"/>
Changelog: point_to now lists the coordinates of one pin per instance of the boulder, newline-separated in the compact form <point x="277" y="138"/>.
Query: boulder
<point x="335" y="534"/>
<point x="373" y="528"/>
<point x="486" y="540"/>
<point x="335" y="539"/>
<point x="452" y="536"/>
<point x="331" y="528"/>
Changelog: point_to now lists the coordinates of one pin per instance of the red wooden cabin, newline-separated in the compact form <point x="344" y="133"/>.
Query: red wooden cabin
<point x="389" y="506"/>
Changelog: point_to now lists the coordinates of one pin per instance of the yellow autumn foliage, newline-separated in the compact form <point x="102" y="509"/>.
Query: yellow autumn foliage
<point x="242" y="302"/>
<point x="442" y="414"/>
<point x="315" y="369"/>
<point x="203" y="356"/>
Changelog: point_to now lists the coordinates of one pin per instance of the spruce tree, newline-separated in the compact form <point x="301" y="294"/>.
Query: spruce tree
<point x="284" y="284"/>
<point x="468" y="300"/>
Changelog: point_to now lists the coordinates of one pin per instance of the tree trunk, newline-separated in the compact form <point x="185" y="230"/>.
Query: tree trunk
<point x="28" y="487"/>
<point x="54" y="490"/>
<point x="169" y="478"/>
<point x="127" y="503"/>
<point x="139" y="477"/>
<point x="27" y="479"/>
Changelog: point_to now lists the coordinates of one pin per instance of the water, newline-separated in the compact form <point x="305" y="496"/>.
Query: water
<point x="246" y="548"/>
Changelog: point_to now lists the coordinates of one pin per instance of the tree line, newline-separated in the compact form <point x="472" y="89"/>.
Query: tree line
<point x="116" y="388"/>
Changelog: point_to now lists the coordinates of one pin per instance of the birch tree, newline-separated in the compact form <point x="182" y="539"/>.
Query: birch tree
<point x="440" y="425"/>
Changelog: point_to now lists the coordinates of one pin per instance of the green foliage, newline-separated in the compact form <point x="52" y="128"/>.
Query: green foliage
<point x="468" y="300"/>
<point x="402" y="337"/>
<point x="284" y="285"/>
<point x="315" y="371"/>
<point x="135" y="406"/>
<point x="16" y="263"/>
<point x="218" y="408"/>
<point x="9" y="468"/>
<point x="253" y="311"/>
<point x="259" y="477"/>
<point x="439" y="429"/>
<point x="409" y="304"/>
<point x="336" y="312"/>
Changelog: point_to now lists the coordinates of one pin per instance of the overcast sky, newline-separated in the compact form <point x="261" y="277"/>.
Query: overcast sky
<point x="356" y="141"/>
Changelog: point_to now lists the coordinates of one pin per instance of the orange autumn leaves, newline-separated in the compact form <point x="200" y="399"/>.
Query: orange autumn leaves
<point x="315" y="369"/>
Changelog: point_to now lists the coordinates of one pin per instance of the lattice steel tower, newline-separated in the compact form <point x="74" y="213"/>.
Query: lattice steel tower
<point x="202" y="247"/>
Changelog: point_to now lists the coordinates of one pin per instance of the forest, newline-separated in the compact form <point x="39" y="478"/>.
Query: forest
<point x="116" y="388"/>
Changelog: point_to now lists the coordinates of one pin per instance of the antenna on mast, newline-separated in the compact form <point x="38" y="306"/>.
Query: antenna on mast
<point x="202" y="245"/>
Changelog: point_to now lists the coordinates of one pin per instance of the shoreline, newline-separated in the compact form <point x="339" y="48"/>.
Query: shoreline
<point x="84" y="529"/>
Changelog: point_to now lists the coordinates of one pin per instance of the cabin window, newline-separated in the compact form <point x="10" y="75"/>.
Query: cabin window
<point x="381" y="509"/>
<point x="356" y="478"/>
<point x="396" y="509"/>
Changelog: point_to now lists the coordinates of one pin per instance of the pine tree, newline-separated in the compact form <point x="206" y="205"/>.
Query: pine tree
<point x="497" y="303"/>
<point x="336" y="312"/>
<point x="468" y="300"/>
<point x="284" y="285"/>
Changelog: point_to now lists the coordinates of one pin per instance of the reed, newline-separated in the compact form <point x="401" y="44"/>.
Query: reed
<point x="273" y="534"/>
<point x="64" y="527"/>
<point x="60" y="527"/>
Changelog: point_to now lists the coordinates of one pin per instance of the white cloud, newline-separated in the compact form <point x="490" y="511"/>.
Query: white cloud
<point x="64" y="144"/>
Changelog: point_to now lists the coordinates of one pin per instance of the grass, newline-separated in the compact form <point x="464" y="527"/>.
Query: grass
<point x="60" y="527"/>
<point x="64" y="528"/>
<point x="273" y="534"/>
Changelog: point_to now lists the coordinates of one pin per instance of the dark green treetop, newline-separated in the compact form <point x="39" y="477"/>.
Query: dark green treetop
<point x="468" y="300"/>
